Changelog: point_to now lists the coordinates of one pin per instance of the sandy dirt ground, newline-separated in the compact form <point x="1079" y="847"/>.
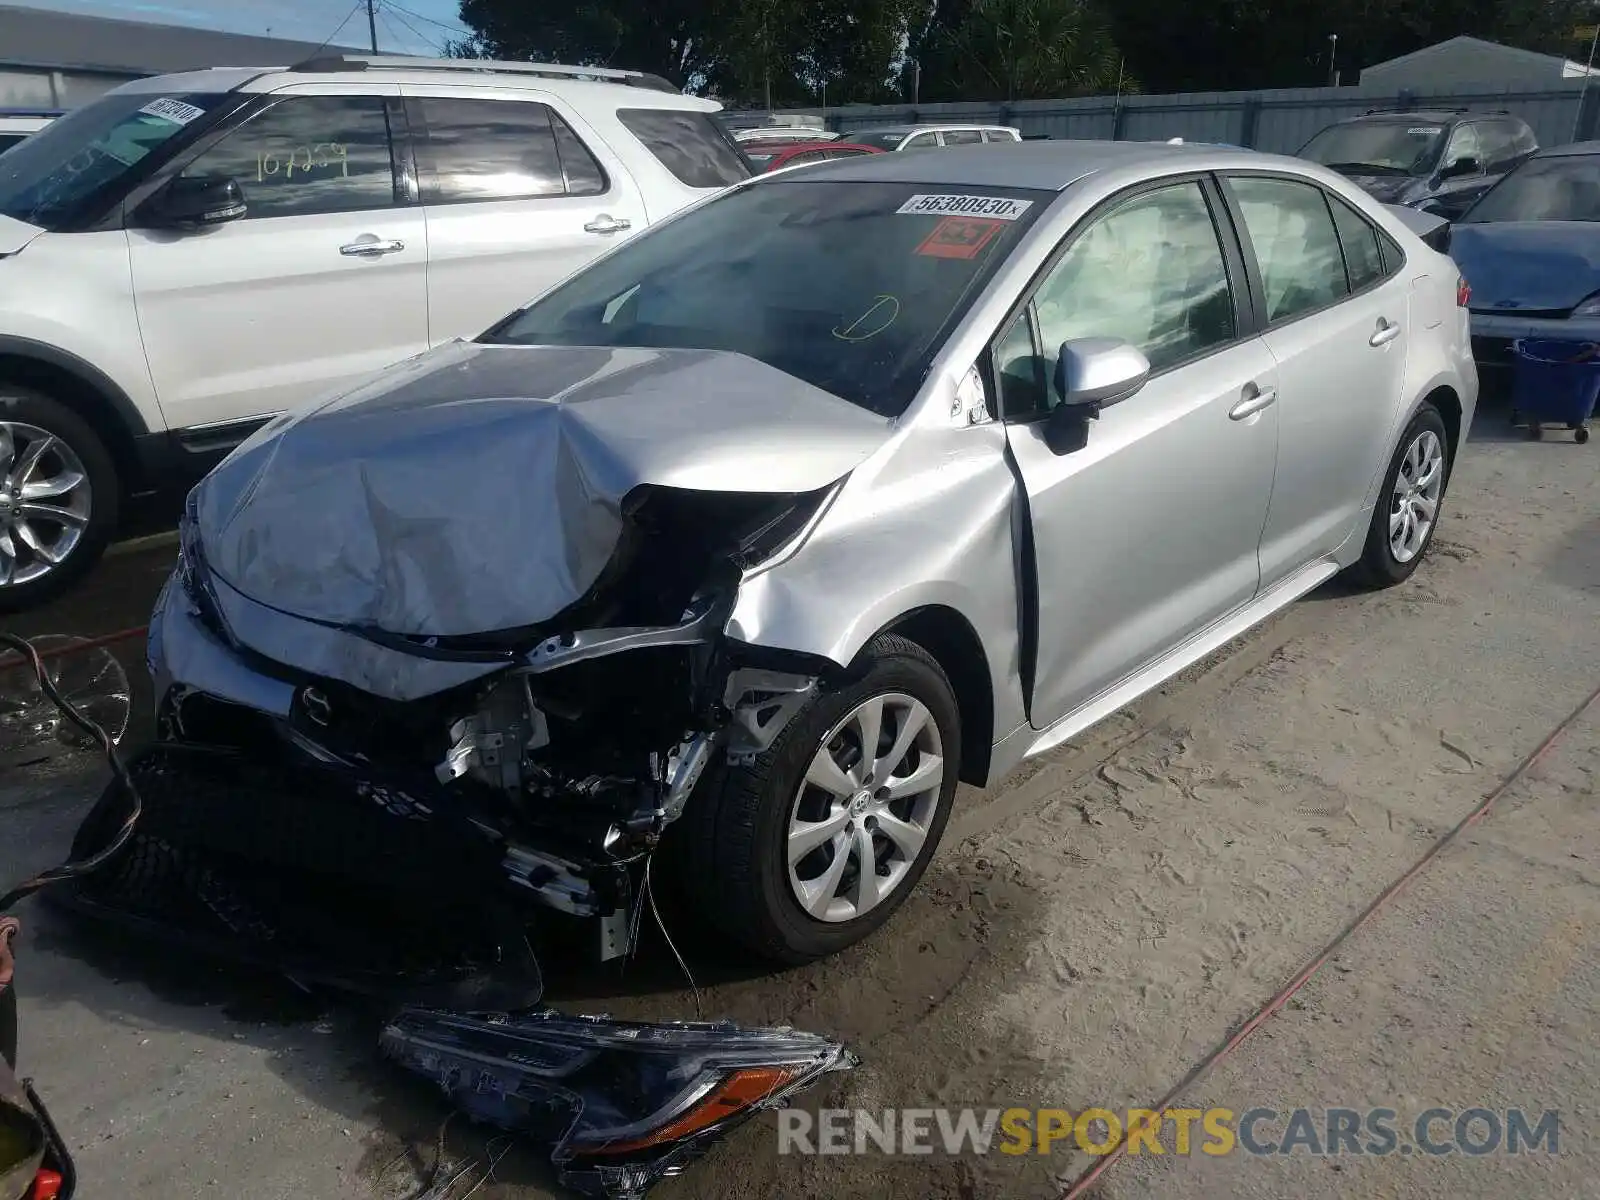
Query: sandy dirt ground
<point x="1088" y="933"/>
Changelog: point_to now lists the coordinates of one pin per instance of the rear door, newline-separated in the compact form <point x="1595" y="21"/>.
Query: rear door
<point x="517" y="193"/>
<point x="322" y="282"/>
<point x="1337" y="323"/>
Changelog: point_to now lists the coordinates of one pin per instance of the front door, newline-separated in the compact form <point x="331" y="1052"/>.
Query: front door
<point x="516" y="199"/>
<point x="1337" y="317"/>
<point x="320" y="283"/>
<point x="1149" y="532"/>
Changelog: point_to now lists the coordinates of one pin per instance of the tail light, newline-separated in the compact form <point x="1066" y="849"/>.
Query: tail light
<point x="1463" y="292"/>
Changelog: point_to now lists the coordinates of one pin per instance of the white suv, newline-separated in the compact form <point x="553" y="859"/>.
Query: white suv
<point x="190" y="254"/>
<point x="19" y="123"/>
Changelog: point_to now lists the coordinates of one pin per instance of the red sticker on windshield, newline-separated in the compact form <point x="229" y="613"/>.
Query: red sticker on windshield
<point x="960" y="237"/>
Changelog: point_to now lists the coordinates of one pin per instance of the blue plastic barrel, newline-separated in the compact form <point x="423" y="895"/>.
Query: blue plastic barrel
<point x="1555" y="381"/>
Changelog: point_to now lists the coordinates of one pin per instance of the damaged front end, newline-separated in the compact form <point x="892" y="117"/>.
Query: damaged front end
<point x="409" y="734"/>
<point x="529" y="651"/>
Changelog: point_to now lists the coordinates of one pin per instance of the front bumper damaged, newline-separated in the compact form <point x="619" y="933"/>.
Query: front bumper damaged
<point x="426" y="842"/>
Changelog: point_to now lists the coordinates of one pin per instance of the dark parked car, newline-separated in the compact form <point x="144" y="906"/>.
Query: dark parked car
<point x="1530" y="251"/>
<point x="1424" y="158"/>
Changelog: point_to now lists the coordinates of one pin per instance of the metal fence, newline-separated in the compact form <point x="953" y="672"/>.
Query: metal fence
<point x="1280" y="120"/>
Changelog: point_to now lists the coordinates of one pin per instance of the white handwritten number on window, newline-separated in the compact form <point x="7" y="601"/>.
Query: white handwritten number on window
<point x="304" y="159"/>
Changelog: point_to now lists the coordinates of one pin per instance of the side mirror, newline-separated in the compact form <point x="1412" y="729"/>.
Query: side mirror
<point x="1461" y="167"/>
<point x="1091" y="374"/>
<point x="198" y="201"/>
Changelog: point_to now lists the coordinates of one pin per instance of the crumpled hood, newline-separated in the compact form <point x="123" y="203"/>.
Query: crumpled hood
<point x="477" y="488"/>
<point x="15" y="234"/>
<point x="1517" y="266"/>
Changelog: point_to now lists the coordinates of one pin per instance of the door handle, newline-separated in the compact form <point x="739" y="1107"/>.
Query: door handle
<point x="1256" y="401"/>
<point x="1386" y="333"/>
<point x="606" y="223"/>
<point x="371" y="246"/>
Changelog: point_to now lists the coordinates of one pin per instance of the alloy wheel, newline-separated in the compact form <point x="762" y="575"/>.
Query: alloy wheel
<point x="45" y="502"/>
<point x="863" y="813"/>
<point x="1414" y="502"/>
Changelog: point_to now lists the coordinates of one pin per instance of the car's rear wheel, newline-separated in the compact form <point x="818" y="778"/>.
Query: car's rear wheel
<point x="58" y="498"/>
<point x="819" y="841"/>
<point x="1407" y="511"/>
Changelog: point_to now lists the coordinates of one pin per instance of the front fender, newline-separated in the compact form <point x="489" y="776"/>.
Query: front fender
<point x="929" y="521"/>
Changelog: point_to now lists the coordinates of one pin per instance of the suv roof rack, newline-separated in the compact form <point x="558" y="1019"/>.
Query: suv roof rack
<point x="400" y="62"/>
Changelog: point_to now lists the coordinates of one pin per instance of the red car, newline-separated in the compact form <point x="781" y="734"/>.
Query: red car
<point x="769" y="156"/>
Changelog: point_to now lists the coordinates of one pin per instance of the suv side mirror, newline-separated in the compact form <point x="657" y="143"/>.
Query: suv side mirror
<point x="1091" y="374"/>
<point x="198" y="201"/>
<point x="1461" y="166"/>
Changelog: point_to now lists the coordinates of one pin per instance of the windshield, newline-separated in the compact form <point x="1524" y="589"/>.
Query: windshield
<point x="848" y="286"/>
<point x="1384" y="147"/>
<point x="1544" y="189"/>
<point x="75" y="158"/>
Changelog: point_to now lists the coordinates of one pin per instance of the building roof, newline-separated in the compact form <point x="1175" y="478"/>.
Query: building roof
<point x="1511" y="53"/>
<point x="36" y="37"/>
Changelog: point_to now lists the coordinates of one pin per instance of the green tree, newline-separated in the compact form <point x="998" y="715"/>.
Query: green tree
<point x="1016" y="50"/>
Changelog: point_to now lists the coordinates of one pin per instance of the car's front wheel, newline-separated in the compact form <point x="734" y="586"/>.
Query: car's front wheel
<point x="819" y="841"/>
<point x="58" y="497"/>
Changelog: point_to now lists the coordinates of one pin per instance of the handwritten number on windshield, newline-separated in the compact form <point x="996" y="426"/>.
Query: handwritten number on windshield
<point x="870" y="324"/>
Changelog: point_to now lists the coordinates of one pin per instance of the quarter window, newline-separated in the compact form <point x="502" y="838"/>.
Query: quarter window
<point x="1150" y="272"/>
<point x="1363" y="259"/>
<point x="687" y="143"/>
<point x="1295" y="244"/>
<point x="308" y="155"/>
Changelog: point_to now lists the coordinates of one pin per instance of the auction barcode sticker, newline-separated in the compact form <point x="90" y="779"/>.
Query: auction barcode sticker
<point x="999" y="208"/>
<point x="176" y="111"/>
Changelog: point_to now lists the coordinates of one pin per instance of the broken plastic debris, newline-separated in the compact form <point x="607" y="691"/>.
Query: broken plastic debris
<point x="622" y="1104"/>
<point x="32" y="728"/>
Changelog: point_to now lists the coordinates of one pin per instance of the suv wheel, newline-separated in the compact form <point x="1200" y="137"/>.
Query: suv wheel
<point x="820" y="840"/>
<point x="58" y="498"/>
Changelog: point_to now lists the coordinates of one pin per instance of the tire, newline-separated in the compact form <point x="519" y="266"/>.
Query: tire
<point x="27" y="578"/>
<point x="734" y="835"/>
<point x="1379" y="565"/>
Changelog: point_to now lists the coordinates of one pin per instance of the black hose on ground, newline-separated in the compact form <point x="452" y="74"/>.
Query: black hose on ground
<point x="74" y="870"/>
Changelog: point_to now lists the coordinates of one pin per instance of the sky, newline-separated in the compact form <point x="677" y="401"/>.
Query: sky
<point x="404" y="26"/>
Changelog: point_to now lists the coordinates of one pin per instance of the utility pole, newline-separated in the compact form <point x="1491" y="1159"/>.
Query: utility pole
<point x="1333" y="60"/>
<point x="372" y="23"/>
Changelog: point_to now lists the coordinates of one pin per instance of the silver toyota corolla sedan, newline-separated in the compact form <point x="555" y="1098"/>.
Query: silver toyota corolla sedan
<point x="740" y="548"/>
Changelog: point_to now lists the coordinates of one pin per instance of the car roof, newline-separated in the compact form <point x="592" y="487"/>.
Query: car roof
<point x="925" y="127"/>
<point x="1048" y="166"/>
<point x="1570" y="150"/>
<point x="539" y="77"/>
<point x="1440" y="116"/>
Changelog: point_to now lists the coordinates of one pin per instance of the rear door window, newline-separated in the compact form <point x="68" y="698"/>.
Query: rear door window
<point x="689" y="144"/>
<point x="1295" y="244"/>
<point x="962" y="137"/>
<point x="487" y="150"/>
